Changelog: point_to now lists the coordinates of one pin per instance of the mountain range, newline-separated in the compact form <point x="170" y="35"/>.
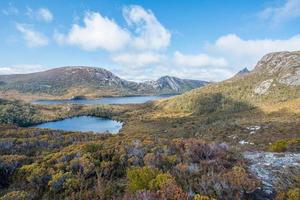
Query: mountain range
<point x="90" y="82"/>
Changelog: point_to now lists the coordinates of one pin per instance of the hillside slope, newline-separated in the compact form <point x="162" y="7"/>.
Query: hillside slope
<point x="275" y="80"/>
<point x="68" y="82"/>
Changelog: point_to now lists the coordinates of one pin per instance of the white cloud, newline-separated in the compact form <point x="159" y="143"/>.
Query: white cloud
<point x="206" y="74"/>
<point x="245" y="53"/>
<point x="97" y="32"/>
<point x="45" y="14"/>
<point x="21" y="69"/>
<point x="41" y="14"/>
<point x="159" y="70"/>
<point x="149" y="32"/>
<point x="33" y="38"/>
<point x="200" y="60"/>
<point x="217" y="61"/>
<point x="137" y="60"/>
<point x="279" y="14"/>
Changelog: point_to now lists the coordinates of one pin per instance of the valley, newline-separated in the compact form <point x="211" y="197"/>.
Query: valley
<point x="202" y="144"/>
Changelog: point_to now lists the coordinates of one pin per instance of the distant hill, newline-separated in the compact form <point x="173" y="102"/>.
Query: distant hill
<point x="70" y="82"/>
<point x="243" y="72"/>
<point x="275" y="80"/>
<point x="169" y="84"/>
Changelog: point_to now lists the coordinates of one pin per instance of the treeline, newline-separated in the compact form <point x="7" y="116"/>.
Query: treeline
<point x="17" y="113"/>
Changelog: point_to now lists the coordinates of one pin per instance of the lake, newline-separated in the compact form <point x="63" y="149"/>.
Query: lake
<point x="105" y="100"/>
<point x="84" y="124"/>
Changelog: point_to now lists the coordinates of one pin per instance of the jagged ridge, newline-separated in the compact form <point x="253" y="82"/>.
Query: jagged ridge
<point x="92" y="82"/>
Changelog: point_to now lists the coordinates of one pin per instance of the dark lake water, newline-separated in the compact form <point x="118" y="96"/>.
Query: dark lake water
<point x="105" y="100"/>
<point x="84" y="124"/>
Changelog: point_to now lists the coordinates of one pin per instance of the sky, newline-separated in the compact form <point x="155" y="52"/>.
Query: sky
<point x="146" y="39"/>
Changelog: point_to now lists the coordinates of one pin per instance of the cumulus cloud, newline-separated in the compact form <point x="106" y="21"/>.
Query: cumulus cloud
<point x="279" y="14"/>
<point x="137" y="60"/>
<point x="20" y="69"/>
<point x="41" y="14"/>
<point x="98" y="32"/>
<point x="245" y="53"/>
<point x="33" y="38"/>
<point x="199" y="60"/>
<point x="45" y="14"/>
<point x="149" y="32"/>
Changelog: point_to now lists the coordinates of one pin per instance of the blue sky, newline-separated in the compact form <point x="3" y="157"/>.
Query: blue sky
<point x="143" y="40"/>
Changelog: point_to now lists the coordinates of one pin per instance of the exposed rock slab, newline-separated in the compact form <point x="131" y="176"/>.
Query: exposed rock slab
<point x="272" y="169"/>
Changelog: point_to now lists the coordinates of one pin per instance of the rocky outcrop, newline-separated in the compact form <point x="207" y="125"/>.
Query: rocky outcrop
<point x="291" y="79"/>
<point x="263" y="87"/>
<point x="283" y="66"/>
<point x="272" y="169"/>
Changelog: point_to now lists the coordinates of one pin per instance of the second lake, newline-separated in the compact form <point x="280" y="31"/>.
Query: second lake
<point x="84" y="124"/>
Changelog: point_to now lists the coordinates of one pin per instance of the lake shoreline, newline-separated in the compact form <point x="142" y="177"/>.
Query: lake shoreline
<point x="44" y="125"/>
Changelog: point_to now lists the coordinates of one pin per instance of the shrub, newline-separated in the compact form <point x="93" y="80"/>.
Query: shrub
<point x="202" y="197"/>
<point x="240" y="182"/>
<point x="16" y="195"/>
<point x="278" y="146"/>
<point x="58" y="180"/>
<point x="161" y="180"/>
<point x="139" y="178"/>
<point x="171" y="191"/>
<point x="294" y="194"/>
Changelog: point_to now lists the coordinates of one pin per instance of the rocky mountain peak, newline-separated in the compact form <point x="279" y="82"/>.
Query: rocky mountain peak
<point x="281" y="66"/>
<point x="279" y="61"/>
<point x="174" y="84"/>
<point x="243" y="72"/>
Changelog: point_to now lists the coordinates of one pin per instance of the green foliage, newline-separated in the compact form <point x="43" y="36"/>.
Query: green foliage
<point x="58" y="180"/>
<point x="15" y="112"/>
<point x="292" y="144"/>
<point x="139" y="178"/>
<point x="16" y="195"/>
<point x="278" y="146"/>
<point x="160" y="181"/>
<point x="294" y="194"/>
<point x="202" y="197"/>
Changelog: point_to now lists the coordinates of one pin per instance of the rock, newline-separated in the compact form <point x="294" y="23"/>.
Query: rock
<point x="272" y="169"/>
<point x="253" y="129"/>
<point x="243" y="142"/>
<point x="263" y="87"/>
<point x="278" y="61"/>
<point x="291" y="79"/>
<point x="285" y="66"/>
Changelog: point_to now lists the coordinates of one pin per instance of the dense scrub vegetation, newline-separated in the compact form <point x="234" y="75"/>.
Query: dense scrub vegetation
<point x="40" y="164"/>
<point x="25" y="114"/>
<point x="18" y="113"/>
